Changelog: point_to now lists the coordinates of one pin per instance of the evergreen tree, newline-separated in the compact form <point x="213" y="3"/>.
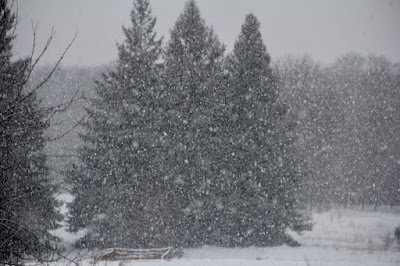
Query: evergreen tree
<point x="117" y="188"/>
<point x="193" y="75"/>
<point x="261" y="178"/>
<point x="27" y="207"/>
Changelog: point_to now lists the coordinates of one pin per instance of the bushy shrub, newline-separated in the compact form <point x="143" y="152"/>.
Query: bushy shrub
<point x="397" y="234"/>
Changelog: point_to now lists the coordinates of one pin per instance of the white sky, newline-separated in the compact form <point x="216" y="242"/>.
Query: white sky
<point x="324" y="29"/>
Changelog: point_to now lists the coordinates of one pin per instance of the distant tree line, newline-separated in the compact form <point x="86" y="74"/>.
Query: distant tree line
<point x="184" y="146"/>
<point x="348" y="130"/>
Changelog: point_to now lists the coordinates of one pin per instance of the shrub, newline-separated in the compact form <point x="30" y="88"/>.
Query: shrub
<point x="397" y="234"/>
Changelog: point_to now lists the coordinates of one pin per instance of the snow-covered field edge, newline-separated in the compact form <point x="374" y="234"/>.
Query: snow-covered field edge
<point x="340" y="236"/>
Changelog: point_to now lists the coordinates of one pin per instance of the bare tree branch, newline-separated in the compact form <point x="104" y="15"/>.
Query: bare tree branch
<point x="16" y="18"/>
<point x="31" y="68"/>
<point x="67" y="132"/>
<point x="56" y="65"/>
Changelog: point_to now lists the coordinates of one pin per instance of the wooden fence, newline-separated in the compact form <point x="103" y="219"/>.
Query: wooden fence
<point x="138" y="254"/>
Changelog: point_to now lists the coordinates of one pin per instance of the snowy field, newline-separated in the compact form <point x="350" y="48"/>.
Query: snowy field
<point x="339" y="237"/>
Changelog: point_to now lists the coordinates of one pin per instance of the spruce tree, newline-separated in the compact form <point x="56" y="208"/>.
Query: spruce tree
<point x="193" y="75"/>
<point x="261" y="177"/>
<point x="116" y="185"/>
<point x="27" y="207"/>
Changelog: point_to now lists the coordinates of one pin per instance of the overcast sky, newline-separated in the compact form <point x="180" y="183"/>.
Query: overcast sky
<point x="324" y="29"/>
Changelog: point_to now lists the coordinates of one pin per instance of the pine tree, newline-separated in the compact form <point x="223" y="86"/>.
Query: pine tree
<point x="27" y="207"/>
<point x="193" y="75"/>
<point x="117" y="187"/>
<point x="261" y="177"/>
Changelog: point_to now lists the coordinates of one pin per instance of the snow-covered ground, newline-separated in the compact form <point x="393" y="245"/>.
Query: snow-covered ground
<point x="68" y="239"/>
<point x="339" y="237"/>
<point x="353" y="229"/>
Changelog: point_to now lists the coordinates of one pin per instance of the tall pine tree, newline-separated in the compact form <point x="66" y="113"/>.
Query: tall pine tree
<point x="27" y="208"/>
<point x="261" y="177"/>
<point x="117" y="190"/>
<point x="193" y="75"/>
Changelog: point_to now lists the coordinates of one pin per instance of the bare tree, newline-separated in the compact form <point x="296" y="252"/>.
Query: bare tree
<point x="27" y="206"/>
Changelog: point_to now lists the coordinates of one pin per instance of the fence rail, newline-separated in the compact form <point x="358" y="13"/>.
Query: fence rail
<point x="136" y="254"/>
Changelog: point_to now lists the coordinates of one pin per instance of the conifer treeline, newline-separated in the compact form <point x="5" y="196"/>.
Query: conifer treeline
<point x="184" y="146"/>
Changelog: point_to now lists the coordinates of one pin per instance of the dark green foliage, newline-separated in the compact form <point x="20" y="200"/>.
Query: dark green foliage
<point x="193" y="152"/>
<point x="27" y="208"/>
<point x="116" y="185"/>
<point x="261" y="177"/>
<point x="193" y="74"/>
